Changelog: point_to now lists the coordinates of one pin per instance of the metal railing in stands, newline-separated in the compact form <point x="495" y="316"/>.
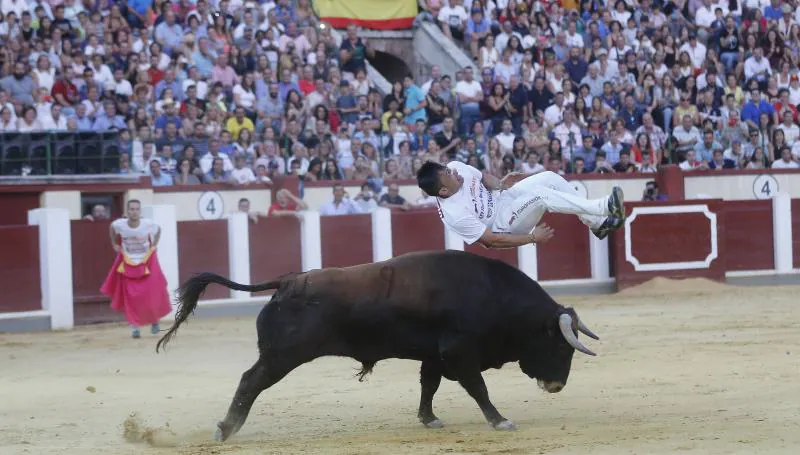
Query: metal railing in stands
<point x="59" y="153"/>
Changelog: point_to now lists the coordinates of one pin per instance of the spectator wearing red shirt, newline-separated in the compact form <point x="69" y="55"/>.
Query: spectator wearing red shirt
<point x="65" y="93"/>
<point x="783" y="104"/>
<point x="285" y="204"/>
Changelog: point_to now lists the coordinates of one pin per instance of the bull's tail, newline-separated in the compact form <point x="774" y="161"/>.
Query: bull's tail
<point x="189" y="293"/>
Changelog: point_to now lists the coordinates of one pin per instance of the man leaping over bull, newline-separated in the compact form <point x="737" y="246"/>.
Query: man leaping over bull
<point x="505" y="213"/>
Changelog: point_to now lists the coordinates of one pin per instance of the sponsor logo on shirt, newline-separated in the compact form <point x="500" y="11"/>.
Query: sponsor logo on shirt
<point x="484" y="211"/>
<point x="522" y="208"/>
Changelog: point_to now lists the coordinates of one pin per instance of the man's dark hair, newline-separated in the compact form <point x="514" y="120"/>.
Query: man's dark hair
<point x="428" y="177"/>
<point x="133" y="201"/>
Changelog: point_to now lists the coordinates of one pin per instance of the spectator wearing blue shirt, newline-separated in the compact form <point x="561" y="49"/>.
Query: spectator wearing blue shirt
<point x="136" y="12"/>
<point x="169" y="34"/>
<point x="773" y="11"/>
<point x="752" y="110"/>
<point x="170" y="82"/>
<point x="347" y="103"/>
<point x="158" y="178"/>
<point x="170" y="115"/>
<point x="83" y="122"/>
<point x="576" y="66"/>
<point x="421" y="138"/>
<point x="108" y="119"/>
<point x="587" y="152"/>
<point x="204" y="58"/>
<point x="631" y="114"/>
<point x="286" y="84"/>
<point x="478" y="27"/>
<point x="704" y="151"/>
<point x="284" y="12"/>
<point x="415" y="101"/>
<point x="720" y="162"/>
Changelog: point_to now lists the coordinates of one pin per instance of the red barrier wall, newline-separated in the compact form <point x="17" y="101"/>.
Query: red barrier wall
<point x="92" y="257"/>
<point x="509" y="256"/>
<point x="669" y="239"/>
<point x="203" y="247"/>
<point x="16" y="206"/>
<point x="416" y="230"/>
<point x="566" y="255"/>
<point x="20" y="288"/>
<point x="796" y="232"/>
<point x="346" y="240"/>
<point x="748" y="235"/>
<point x="275" y="249"/>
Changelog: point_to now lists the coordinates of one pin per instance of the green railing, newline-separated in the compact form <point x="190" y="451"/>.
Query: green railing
<point x="59" y="153"/>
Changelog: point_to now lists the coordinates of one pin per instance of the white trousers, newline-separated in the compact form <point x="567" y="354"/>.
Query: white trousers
<point x="521" y="207"/>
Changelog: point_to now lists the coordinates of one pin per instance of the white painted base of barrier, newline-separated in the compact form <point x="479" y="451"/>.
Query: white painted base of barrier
<point x="749" y="273"/>
<point x="25" y="314"/>
<point x="576" y="282"/>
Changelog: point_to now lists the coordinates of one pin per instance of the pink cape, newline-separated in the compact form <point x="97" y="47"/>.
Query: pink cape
<point x="138" y="291"/>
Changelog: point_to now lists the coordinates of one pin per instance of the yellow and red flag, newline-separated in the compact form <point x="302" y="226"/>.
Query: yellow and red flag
<point x="369" y="14"/>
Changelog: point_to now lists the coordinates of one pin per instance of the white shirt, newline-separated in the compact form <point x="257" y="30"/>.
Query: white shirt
<point x="50" y="124"/>
<point x="562" y="132"/>
<point x="575" y="40"/>
<point x="703" y="17"/>
<point x="535" y="169"/>
<point x="791" y="133"/>
<point x="136" y="241"/>
<point x="471" y="89"/>
<point x="553" y="115"/>
<point x="454" y="17"/>
<point x="208" y="160"/>
<point x="780" y="164"/>
<point x="247" y="99"/>
<point x="506" y="141"/>
<point x="201" y="86"/>
<point x="346" y="207"/>
<point x="473" y="208"/>
<point x="243" y="175"/>
<point x="752" y="67"/>
<point x="123" y="88"/>
<point x="697" y="54"/>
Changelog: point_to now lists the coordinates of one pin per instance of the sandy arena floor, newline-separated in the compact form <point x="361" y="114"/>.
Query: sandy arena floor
<point x="707" y="369"/>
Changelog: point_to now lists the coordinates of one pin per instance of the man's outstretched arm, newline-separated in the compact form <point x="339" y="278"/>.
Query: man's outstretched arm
<point x="542" y="233"/>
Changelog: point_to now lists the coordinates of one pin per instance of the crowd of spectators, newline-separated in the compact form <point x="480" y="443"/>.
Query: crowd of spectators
<point x="626" y="86"/>
<point x="238" y="91"/>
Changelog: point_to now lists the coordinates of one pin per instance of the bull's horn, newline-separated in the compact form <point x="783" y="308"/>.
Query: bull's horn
<point x="585" y="330"/>
<point x="565" y="324"/>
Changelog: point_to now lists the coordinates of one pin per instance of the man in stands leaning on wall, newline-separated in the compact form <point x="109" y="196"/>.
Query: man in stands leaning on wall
<point x="393" y="200"/>
<point x="340" y="205"/>
<point x="286" y="203"/>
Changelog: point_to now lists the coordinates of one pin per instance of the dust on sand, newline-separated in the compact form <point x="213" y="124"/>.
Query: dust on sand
<point x="689" y="366"/>
<point x="134" y="430"/>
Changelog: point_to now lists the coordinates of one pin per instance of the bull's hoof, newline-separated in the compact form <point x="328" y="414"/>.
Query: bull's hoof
<point x="435" y="423"/>
<point x="218" y="435"/>
<point x="223" y="432"/>
<point x="505" y="425"/>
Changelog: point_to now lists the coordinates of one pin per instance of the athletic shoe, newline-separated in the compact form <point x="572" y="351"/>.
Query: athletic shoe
<point x="616" y="204"/>
<point x="610" y="224"/>
<point x="155" y="328"/>
<point x="136" y="333"/>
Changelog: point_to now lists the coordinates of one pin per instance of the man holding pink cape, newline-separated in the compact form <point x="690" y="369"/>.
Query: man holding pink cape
<point x="136" y="285"/>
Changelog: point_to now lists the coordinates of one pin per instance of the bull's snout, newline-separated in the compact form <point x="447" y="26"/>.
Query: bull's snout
<point x="550" y="386"/>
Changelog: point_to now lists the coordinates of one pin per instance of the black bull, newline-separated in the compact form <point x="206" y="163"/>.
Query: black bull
<point x="458" y="313"/>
